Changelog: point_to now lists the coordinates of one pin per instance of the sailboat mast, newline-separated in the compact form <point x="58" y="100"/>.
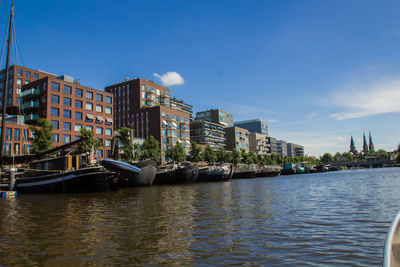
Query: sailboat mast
<point x="3" y="120"/>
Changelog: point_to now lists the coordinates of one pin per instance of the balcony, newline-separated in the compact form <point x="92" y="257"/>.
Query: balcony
<point x="30" y="92"/>
<point x="31" y="117"/>
<point x="30" y="104"/>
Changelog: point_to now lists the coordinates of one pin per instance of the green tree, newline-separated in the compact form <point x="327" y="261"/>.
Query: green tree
<point x="42" y="136"/>
<point x="176" y="153"/>
<point x="398" y="153"/>
<point x="382" y="154"/>
<point x="327" y="158"/>
<point x="88" y="144"/>
<point x="228" y="157"/>
<point x="236" y="157"/>
<point x="125" y="136"/>
<point x="209" y="155"/>
<point x="195" y="152"/>
<point x="137" y="152"/>
<point x="220" y="155"/>
<point x="151" y="149"/>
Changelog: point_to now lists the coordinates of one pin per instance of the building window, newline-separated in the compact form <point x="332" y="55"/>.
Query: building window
<point x="19" y="81"/>
<point x="20" y="72"/>
<point x="78" y="104"/>
<point x="89" y="95"/>
<point x="78" y="115"/>
<point x="89" y="127"/>
<point x="67" y="90"/>
<point x="35" y="76"/>
<point x="108" y="132"/>
<point x="78" y="127"/>
<point x="108" y="142"/>
<point x="28" y="74"/>
<point x="55" y="124"/>
<point x="67" y="114"/>
<point x="99" y="108"/>
<point x="99" y="130"/>
<point x="108" y="110"/>
<point x="78" y="92"/>
<point x="55" y="99"/>
<point x="108" y="99"/>
<point x="17" y="133"/>
<point x="55" y="138"/>
<point x="66" y="138"/>
<point x="89" y="106"/>
<point x="99" y="153"/>
<point x="8" y="134"/>
<point x="67" y="101"/>
<point x="99" y="97"/>
<point x="26" y="135"/>
<point x="66" y="126"/>
<point x="55" y="87"/>
<point x="54" y="112"/>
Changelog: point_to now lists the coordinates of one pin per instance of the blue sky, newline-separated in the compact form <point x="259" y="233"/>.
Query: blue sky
<point x="316" y="71"/>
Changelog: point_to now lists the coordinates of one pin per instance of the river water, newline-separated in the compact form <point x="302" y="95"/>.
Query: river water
<point x="336" y="218"/>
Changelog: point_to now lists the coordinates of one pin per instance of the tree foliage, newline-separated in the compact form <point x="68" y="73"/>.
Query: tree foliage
<point x="209" y="155"/>
<point x="327" y="158"/>
<point x="151" y="149"/>
<point x="195" y="152"/>
<point x="176" y="153"/>
<point x="88" y="144"/>
<point x="220" y="155"/>
<point x="42" y="136"/>
<point x="125" y="136"/>
<point x="236" y="157"/>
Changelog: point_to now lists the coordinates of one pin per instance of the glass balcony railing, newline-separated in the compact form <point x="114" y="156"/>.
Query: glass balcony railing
<point x="31" y="117"/>
<point x="30" y="92"/>
<point x="30" y="104"/>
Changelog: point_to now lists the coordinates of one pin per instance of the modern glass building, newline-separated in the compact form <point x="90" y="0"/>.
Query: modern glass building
<point x="254" y="126"/>
<point x="216" y="116"/>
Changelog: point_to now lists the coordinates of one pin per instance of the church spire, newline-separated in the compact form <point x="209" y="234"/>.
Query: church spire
<point x="352" y="147"/>
<point x="365" y="146"/>
<point x="371" y="144"/>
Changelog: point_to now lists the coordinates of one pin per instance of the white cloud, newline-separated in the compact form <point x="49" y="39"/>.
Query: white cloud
<point x="170" y="78"/>
<point x="362" y="100"/>
<point x="311" y="115"/>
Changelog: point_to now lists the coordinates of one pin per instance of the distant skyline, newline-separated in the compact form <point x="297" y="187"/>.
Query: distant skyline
<point x="317" y="72"/>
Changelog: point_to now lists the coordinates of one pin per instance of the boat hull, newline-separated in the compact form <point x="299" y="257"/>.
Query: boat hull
<point x="77" y="181"/>
<point x="219" y="175"/>
<point x="244" y="174"/>
<point x="180" y="175"/>
<point x="271" y="173"/>
<point x="144" y="178"/>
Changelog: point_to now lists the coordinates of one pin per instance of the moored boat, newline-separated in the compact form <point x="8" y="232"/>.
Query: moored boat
<point x="135" y="174"/>
<point x="217" y="173"/>
<point x="58" y="175"/>
<point x="269" y="171"/>
<point x="176" y="174"/>
<point x="244" y="171"/>
<point x="288" y="168"/>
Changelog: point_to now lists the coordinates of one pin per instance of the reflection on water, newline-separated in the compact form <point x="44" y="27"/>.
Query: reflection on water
<point x="338" y="218"/>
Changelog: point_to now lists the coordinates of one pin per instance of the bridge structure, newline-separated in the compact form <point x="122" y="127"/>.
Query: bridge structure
<point x="365" y="164"/>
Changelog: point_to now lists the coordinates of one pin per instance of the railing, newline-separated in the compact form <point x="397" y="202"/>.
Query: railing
<point x="30" y="104"/>
<point x="30" y="92"/>
<point x="31" y="117"/>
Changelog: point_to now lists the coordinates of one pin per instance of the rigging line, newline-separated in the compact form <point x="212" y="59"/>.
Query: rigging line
<point x="17" y="47"/>
<point x="3" y="52"/>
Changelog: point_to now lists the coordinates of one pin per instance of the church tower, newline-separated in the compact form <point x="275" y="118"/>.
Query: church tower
<point x="352" y="147"/>
<point x="371" y="145"/>
<point x="365" y="146"/>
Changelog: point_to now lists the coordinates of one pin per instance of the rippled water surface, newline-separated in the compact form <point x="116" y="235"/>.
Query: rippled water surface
<point x="336" y="218"/>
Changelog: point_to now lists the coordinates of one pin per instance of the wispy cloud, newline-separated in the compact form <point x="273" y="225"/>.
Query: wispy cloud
<point x="311" y="115"/>
<point x="170" y="78"/>
<point x="363" y="100"/>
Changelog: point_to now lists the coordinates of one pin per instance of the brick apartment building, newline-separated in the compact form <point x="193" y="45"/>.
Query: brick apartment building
<point x="69" y="106"/>
<point x="145" y="106"/>
<point x="18" y="76"/>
